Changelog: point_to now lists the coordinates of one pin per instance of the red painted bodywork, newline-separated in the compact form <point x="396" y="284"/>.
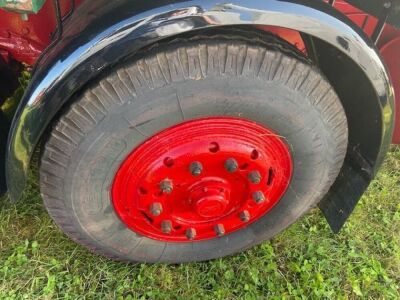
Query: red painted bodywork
<point x="228" y="171"/>
<point x="24" y="41"/>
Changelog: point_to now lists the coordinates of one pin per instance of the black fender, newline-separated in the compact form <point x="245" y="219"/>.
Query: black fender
<point x="102" y="33"/>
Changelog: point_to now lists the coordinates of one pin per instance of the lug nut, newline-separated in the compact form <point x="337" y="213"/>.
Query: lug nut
<point x="196" y="168"/>
<point x="191" y="233"/>
<point x="219" y="230"/>
<point x="244" y="216"/>
<point x="231" y="165"/>
<point x="255" y="177"/>
<point x="156" y="209"/>
<point x="166" y="226"/>
<point x="166" y="186"/>
<point x="258" y="197"/>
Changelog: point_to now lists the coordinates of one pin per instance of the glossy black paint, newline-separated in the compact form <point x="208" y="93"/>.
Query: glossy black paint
<point x="102" y="33"/>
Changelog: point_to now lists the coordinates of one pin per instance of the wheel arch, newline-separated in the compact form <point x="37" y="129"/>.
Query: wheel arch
<point x="101" y="33"/>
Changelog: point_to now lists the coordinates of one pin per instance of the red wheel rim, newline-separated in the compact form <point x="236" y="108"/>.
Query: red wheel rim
<point x="202" y="179"/>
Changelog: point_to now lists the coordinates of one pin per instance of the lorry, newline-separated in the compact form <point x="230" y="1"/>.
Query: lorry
<point x="184" y="130"/>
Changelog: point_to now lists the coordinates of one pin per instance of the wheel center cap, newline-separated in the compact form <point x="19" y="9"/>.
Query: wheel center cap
<point x="210" y="197"/>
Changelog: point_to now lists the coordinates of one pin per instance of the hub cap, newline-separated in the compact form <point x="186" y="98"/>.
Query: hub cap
<point x="201" y="179"/>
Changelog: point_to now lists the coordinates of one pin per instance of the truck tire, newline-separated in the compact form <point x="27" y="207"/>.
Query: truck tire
<point x="194" y="149"/>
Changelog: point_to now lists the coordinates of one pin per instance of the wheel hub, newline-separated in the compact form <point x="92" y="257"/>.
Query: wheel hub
<point x="210" y="197"/>
<point x="201" y="179"/>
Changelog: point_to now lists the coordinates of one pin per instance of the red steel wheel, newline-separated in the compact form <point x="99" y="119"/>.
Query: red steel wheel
<point x="202" y="179"/>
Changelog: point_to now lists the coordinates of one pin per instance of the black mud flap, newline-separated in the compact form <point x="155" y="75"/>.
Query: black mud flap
<point x="340" y="201"/>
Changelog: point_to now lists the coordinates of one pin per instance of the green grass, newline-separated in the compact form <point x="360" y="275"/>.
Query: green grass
<point x="306" y="261"/>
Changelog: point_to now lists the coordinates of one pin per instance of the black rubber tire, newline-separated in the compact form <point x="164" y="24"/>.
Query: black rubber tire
<point x="262" y="80"/>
